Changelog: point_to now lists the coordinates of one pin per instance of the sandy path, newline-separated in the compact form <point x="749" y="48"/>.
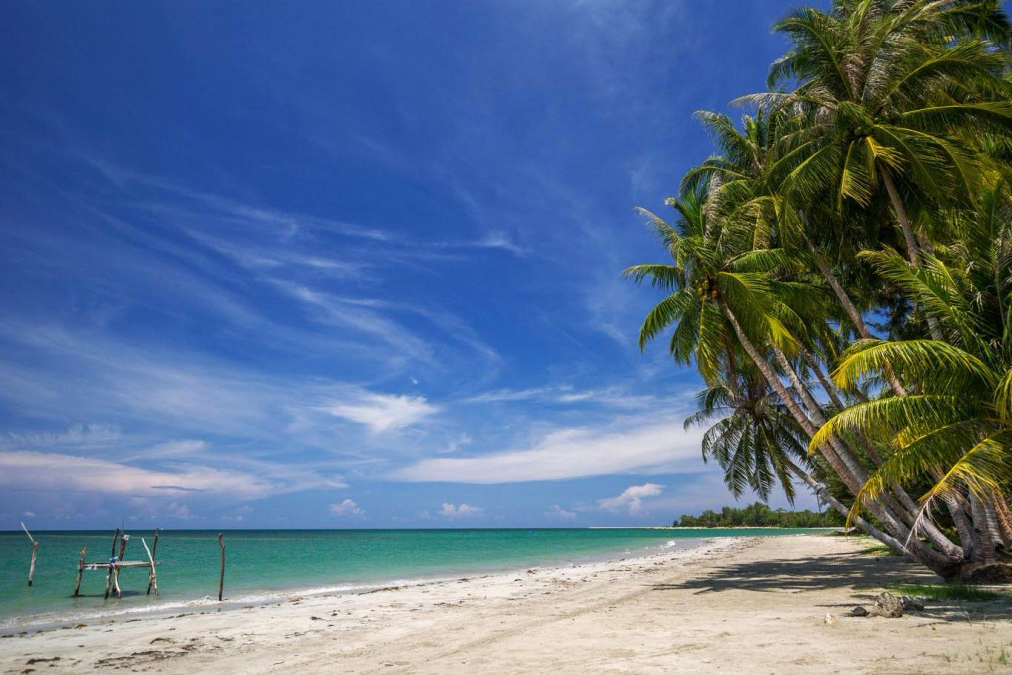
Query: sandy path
<point x="734" y="605"/>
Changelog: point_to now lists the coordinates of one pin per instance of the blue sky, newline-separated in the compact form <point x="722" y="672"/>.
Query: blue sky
<point x="349" y="264"/>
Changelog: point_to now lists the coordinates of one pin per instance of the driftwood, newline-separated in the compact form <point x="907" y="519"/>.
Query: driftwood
<point x="152" y="575"/>
<point x="80" y="571"/>
<point x="152" y="581"/>
<point x="221" y="579"/>
<point x="123" y="539"/>
<point x="112" y="564"/>
<point x="35" y="555"/>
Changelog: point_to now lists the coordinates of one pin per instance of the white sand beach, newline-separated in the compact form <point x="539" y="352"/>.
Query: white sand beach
<point x="753" y="605"/>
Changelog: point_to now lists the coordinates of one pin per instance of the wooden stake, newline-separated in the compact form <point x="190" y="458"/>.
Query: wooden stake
<point x="154" y="552"/>
<point x="152" y="576"/>
<point x="80" y="571"/>
<point x="123" y="539"/>
<point x="221" y="580"/>
<point x="112" y="563"/>
<point x="35" y="554"/>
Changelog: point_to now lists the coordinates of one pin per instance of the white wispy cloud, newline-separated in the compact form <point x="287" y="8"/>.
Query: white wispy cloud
<point x="565" y="395"/>
<point x="559" y="513"/>
<point x="384" y="412"/>
<point x="640" y="445"/>
<point x="79" y="435"/>
<point x="456" y="512"/>
<point x="346" y="509"/>
<point x="631" y="499"/>
<point x="73" y="473"/>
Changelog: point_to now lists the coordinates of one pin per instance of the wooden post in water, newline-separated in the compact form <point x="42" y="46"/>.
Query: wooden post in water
<point x="35" y="554"/>
<point x="152" y="575"/>
<point x="221" y="580"/>
<point x="154" y="551"/>
<point x="112" y="563"/>
<point x="80" y="571"/>
<point x="123" y="539"/>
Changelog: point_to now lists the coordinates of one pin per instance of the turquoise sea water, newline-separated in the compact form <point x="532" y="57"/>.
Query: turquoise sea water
<point x="260" y="564"/>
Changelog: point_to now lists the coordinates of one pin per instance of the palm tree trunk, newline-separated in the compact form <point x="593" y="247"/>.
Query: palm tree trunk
<point x="913" y="248"/>
<point x="823" y="493"/>
<point x="858" y="472"/>
<point x="1004" y="519"/>
<point x="983" y="543"/>
<point x="840" y="465"/>
<point x="851" y="311"/>
<point x="903" y="505"/>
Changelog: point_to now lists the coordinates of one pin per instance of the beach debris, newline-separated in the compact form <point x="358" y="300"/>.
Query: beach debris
<point x="152" y="579"/>
<point x="858" y="611"/>
<point x="221" y="579"/>
<point x="35" y="554"/>
<point x="909" y="604"/>
<point x="831" y="620"/>
<point x="888" y="605"/>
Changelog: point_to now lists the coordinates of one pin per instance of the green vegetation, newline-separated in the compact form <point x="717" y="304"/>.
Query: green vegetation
<point x="946" y="592"/>
<point x="879" y="551"/>
<point x="841" y="276"/>
<point x="760" y="515"/>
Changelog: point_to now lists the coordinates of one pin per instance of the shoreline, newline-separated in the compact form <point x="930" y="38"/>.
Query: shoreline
<point x="55" y="619"/>
<point x="732" y="604"/>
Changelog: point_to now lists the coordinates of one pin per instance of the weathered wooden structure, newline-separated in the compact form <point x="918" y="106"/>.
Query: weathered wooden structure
<point x="35" y="554"/>
<point x="116" y="564"/>
<point x="221" y="579"/>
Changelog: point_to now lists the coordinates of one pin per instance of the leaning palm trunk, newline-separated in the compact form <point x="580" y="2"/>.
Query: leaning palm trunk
<point x="900" y="538"/>
<point x="851" y="310"/>
<point x="913" y="248"/>
<point x="898" y="505"/>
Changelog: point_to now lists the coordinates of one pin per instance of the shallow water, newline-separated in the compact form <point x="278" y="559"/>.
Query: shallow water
<point x="262" y="563"/>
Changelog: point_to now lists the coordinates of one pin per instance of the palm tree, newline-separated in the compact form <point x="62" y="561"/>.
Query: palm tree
<point x="752" y="436"/>
<point x="899" y="112"/>
<point x="716" y="293"/>
<point x="891" y="95"/>
<point x="955" y="427"/>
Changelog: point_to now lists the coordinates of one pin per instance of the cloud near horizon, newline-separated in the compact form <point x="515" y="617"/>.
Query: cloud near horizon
<point x="452" y="512"/>
<point x="59" y="472"/>
<point x="346" y="508"/>
<point x="631" y="499"/>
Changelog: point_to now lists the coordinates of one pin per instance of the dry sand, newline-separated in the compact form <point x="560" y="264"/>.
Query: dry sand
<point x="732" y="605"/>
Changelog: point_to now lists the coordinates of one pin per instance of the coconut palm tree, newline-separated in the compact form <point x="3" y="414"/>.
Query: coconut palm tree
<point x="955" y="428"/>
<point x="752" y="436"/>
<point x="892" y="96"/>
<point x="717" y="302"/>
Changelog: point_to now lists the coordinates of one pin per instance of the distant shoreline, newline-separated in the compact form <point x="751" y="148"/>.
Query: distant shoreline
<point x="699" y="527"/>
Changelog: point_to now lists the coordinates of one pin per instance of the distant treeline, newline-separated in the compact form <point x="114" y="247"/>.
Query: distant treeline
<point x="760" y="515"/>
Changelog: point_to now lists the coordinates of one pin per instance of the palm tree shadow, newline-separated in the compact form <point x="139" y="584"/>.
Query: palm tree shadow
<point x="852" y="570"/>
<point x="863" y="575"/>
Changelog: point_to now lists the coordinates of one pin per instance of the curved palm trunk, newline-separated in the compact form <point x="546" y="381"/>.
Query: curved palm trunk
<point x="902" y="539"/>
<point x="945" y="566"/>
<point x="823" y="493"/>
<point x="1004" y="520"/>
<point x="983" y="543"/>
<point x="913" y="248"/>
<point x="851" y="311"/>
<point x="841" y="466"/>
<point x="903" y="505"/>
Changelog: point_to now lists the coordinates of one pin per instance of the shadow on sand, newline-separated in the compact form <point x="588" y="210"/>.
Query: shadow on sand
<point x="866" y="577"/>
